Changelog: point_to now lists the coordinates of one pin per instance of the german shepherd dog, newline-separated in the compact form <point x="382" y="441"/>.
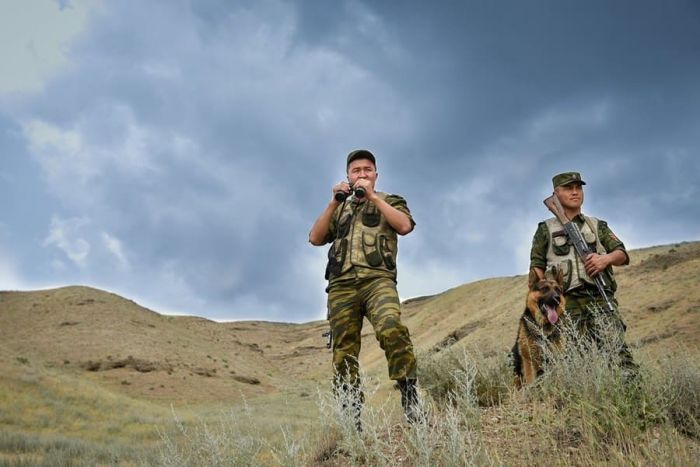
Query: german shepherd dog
<point x="539" y="327"/>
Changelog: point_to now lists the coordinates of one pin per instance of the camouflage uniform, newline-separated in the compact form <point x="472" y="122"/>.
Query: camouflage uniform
<point x="584" y="296"/>
<point x="362" y="282"/>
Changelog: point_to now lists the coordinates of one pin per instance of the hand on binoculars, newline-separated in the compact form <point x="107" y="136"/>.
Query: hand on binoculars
<point x="365" y="184"/>
<point x="341" y="187"/>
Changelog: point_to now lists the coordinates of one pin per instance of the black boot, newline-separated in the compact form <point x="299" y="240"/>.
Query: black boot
<point x="409" y="399"/>
<point x="356" y="410"/>
<point x="351" y="399"/>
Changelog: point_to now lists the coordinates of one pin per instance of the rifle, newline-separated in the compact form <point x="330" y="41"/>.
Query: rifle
<point x="328" y="334"/>
<point x="329" y="338"/>
<point x="574" y="234"/>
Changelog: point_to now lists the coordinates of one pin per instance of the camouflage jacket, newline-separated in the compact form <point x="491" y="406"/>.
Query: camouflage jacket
<point x="355" y="262"/>
<point x="540" y="243"/>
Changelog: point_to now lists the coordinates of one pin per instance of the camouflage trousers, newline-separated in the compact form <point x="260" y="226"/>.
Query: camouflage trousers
<point x="593" y="320"/>
<point x="377" y="299"/>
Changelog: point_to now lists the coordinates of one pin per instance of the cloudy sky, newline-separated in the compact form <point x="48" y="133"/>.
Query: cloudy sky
<point x="177" y="152"/>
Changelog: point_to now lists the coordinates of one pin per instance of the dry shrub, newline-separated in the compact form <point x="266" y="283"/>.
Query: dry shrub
<point x="675" y="385"/>
<point x="233" y="441"/>
<point x="584" y="410"/>
<point x="443" y="376"/>
<point x="595" y="410"/>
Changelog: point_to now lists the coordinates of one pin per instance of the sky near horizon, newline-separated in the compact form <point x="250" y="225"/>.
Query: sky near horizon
<point x="178" y="152"/>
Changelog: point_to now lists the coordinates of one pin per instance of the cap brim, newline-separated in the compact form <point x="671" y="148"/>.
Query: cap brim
<point x="573" y="182"/>
<point x="360" y="154"/>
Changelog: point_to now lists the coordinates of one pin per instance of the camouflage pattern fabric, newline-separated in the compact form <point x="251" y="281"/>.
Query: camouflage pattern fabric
<point x="580" y="301"/>
<point x="540" y="242"/>
<point x="376" y="298"/>
<point x="371" y="244"/>
<point x="394" y="200"/>
<point x="581" y="309"/>
<point x="566" y="178"/>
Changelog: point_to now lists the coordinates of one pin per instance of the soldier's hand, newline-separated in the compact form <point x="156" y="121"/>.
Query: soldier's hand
<point x="595" y="264"/>
<point x="366" y="184"/>
<point x="341" y="187"/>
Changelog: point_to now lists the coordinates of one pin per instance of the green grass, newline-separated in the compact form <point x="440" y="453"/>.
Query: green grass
<point x="56" y="450"/>
<point x="48" y="418"/>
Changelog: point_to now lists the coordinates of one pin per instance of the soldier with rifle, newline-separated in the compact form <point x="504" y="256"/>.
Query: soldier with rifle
<point x="585" y="248"/>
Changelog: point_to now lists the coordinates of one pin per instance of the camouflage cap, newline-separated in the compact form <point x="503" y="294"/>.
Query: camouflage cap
<point x="567" y="178"/>
<point x="361" y="154"/>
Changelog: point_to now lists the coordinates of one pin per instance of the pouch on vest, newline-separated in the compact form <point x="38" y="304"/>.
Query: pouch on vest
<point x="560" y="243"/>
<point x="565" y="267"/>
<point x="344" y="226"/>
<point x="371" y="216"/>
<point x="386" y="252"/>
<point x="589" y="237"/>
<point x="371" y="250"/>
<point x="336" y="258"/>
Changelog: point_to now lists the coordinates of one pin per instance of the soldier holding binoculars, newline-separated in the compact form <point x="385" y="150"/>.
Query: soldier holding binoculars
<point x="362" y="230"/>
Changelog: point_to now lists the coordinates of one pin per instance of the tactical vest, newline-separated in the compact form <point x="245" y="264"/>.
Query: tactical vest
<point x="364" y="238"/>
<point x="562" y="254"/>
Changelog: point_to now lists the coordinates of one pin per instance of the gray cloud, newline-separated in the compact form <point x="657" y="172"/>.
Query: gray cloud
<point x="191" y="145"/>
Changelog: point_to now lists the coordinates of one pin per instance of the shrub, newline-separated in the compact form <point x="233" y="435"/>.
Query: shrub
<point x="226" y="443"/>
<point x="457" y="373"/>
<point x="442" y="435"/>
<point x="597" y="403"/>
<point x="676" y="387"/>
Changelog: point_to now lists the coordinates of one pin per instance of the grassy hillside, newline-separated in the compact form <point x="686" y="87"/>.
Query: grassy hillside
<point x="87" y="370"/>
<point x="114" y="341"/>
<point x="659" y="295"/>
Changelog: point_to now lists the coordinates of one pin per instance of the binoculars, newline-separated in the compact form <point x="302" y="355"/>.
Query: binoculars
<point x="341" y="195"/>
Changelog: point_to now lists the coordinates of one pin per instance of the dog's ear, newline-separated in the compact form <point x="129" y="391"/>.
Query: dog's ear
<point x="533" y="278"/>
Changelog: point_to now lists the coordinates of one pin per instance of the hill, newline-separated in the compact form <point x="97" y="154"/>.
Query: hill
<point x="91" y="378"/>
<point x="115" y="342"/>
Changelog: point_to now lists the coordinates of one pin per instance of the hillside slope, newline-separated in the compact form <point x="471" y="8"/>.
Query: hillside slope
<point x="113" y="341"/>
<point x="91" y="333"/>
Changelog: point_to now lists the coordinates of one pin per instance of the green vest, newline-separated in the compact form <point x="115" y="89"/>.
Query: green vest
<point x="364" y="238"/>
<point x="560" y="253"/>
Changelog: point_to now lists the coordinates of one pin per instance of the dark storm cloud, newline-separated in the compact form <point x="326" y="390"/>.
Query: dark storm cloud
<point x="182" y="155"/>
<point x="196" y="162"/>
<point x="507" y="95"/>
<point x="478" y="72"/>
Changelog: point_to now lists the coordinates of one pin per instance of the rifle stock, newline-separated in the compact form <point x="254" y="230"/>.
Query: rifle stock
<point x="557" y="209"/>
<point x="576" y="239"/>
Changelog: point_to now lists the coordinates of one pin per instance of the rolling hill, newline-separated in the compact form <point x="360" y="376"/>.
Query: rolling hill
<point x="91" y="378"/>
<point x="114" y="342"/>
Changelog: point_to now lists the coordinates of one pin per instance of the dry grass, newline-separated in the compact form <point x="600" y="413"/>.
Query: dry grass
<point x="582" y="412"/>
<point x="48" y="418"/>
<point x="58" y="420"/>
<point x="89" y="378"/>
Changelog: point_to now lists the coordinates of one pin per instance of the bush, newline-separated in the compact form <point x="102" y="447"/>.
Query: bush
<point x="226" y="443"/>
<point x="455" y="373"/>
<point x="590" y="403"/>
<point x="676" y="387"/>
<point x="584" y="410"/>
<point x="441" y="436"/>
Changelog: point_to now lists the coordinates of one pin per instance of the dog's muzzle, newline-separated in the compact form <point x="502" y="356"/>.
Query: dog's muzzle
<point x="548" y="306"/>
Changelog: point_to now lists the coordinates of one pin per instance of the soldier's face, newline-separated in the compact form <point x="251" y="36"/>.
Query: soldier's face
<point x="570" y="196"/>
<point x="362" y="168"/>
